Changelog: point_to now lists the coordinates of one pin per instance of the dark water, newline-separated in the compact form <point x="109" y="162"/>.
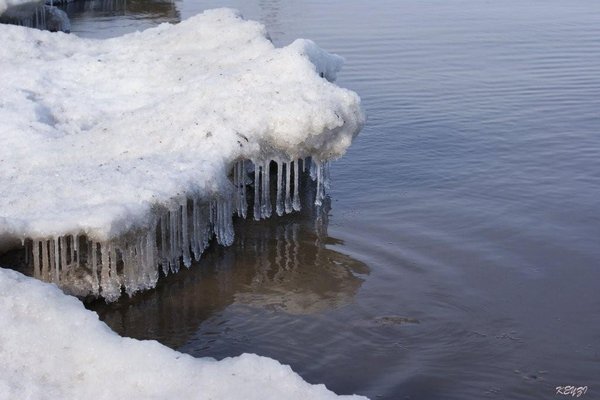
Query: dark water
<point x="461" y="259"/>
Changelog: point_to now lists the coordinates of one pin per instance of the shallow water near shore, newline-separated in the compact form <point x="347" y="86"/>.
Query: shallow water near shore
<point x="459" y="258"/>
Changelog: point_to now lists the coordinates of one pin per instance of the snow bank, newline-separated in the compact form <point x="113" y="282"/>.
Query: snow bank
<point x="95" y="133"/>
<point x="51" y="347"/>
<point x="124" y="154"/>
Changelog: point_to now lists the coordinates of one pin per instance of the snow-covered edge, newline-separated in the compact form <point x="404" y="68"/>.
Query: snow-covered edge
<point x="51" y="347"/>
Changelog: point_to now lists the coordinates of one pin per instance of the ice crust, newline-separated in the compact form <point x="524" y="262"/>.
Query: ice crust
<point x="51" y="347"/>
<point x="99" y="134"/>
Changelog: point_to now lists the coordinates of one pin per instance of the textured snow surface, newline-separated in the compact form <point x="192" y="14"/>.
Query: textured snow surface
<point x="51" y="347"/>
<point x="95" y="133"/>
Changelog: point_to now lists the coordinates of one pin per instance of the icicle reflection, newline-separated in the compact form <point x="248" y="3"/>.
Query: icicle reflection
<point x="284" y="265"/>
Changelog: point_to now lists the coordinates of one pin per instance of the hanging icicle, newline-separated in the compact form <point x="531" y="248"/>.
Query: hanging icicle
<point x="288" y="199"/>
<point x="180" y="234"/>
<point x="265" y="211"/>
<point x="296" y="200"/>
<point x="257" y="191"/>
<point x="279" y="206"/>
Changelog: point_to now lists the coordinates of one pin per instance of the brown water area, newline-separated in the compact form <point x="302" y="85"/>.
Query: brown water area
<point x="279" y="265"/>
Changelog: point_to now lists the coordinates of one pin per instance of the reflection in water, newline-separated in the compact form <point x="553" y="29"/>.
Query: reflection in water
<point x="270" y="10"/>
<point x="37" y="15"/>
<point x="117" y="17"/>
<point x="281" y="264"/>
<point x="135" y="8"/>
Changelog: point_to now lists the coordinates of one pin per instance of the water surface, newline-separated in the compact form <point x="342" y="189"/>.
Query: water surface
<point x="461" y="255"/>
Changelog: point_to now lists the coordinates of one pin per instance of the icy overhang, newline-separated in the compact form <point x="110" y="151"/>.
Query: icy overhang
<point x="95" y="133"/>
<point x="6" y="4"/>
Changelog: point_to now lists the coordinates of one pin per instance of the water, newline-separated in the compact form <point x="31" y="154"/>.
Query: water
<point x="461" y="258"/>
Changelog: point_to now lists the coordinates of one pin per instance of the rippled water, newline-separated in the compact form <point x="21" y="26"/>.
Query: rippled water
<point x="461" y="258"/>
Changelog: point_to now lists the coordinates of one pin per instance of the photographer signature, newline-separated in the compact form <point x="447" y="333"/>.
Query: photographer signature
<point x="572" y="390"/>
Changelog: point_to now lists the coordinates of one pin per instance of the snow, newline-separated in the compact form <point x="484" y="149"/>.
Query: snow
<point x="99" y="134"/>
<point x="51" y="347"/>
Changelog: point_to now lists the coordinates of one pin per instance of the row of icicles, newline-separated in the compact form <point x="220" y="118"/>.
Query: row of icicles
<point x="179" y="235"/>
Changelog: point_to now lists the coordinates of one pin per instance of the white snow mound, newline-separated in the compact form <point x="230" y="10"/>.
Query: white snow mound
<point x="96" y="132"/>
<point x="51" y="347"/>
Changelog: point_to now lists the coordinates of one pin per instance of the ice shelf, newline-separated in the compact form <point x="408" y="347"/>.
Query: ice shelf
<point x="176" y="237"/>
<point x="124" y="155"/>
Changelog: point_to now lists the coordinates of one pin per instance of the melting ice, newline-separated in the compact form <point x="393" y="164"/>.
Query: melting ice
<point x="124" y="155"/>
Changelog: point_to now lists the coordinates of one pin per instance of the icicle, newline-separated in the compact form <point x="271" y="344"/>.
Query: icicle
<point x="187" y="259"/>
<point x="195" y="228"/>
<point x="151" y="258"/>
<point x="205" y="227"/>
<point x="57" y="264"/>
<point x="93" y="266"/>
<point x="28" y="250"/>
<point x="213" y="214"/>
<point x="77" y="256"/>
<point x="223" y="223"/>
<point x="72" y="250"/>
<point x="63" y="253"/>
<point x="115" y="280"/>
<point x="266" y="191"/>
<point x="141" y="259"/>
<point x="236" y="184"/>
<point x="52" y="257"/>
<point x="37" y="271"/>
<point x="239" y="182"/>
<point x="163" y="244"/>
<point x="296" y="201"/>
<point x="320" y="183"/>
<point x="129" y="272"/>
<point x="178" y="247"/>
<point x="229" y="233"/>
<point x="279" y="198"/>
<point x="257" y="205"/>
<point x="45" y="261"/>
<point x="288" y="200"/>
<point x="313" y="169"/>
<point x="131" y="284"/>
<point x="173" y="254"/>
<point x="326" y="176"/>
<point x="242" y="183"/>
<point x="105" y="269"/>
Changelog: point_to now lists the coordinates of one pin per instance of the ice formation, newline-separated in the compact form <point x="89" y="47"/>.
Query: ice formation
<point x="53" y="348"/>
<point x="4" y="4"/>
<point x="124" y="154"/>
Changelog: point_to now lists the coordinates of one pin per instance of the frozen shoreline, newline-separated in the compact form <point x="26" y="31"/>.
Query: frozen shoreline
<point x="108" y="137"/>
<point x="95" y="137"/>
<point x="53" y="348"/>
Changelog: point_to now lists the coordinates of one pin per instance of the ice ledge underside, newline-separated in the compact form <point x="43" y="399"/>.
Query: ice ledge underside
<point x="177" y="235"/>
